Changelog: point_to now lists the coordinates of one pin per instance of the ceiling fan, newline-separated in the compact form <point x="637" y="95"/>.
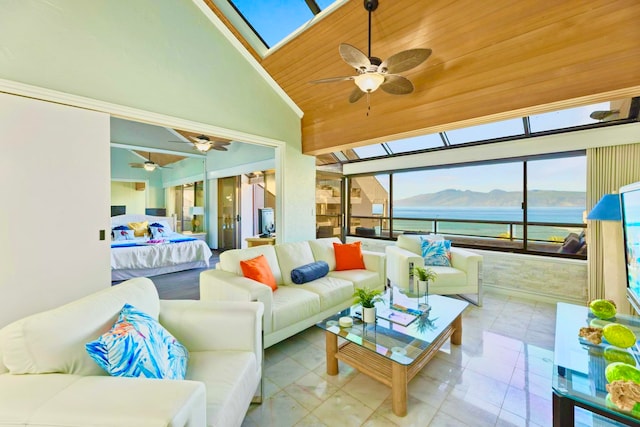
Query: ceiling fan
<point x="149" y="166"/>
<point x="374" y="73"/>
<point x="203" y="143"/>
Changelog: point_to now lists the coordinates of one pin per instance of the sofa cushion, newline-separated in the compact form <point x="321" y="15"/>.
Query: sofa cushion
<point x="349" y="256"/>
<point x="231" y="378"/>
<point x="323" y="250"/>
<point x="138" y="346"/>
<point x="309" y="272"/>
<point x="53" y="341"/>
<point x="230" y="260"/>
<point x="449" y="275"/>
<point x="292" y="255"/>
<point x="359" y="278"/>
<point x="258" y="269"/>
<point x="292" y="304"/>
<point x="331" y="290"/>
<point x="75" y="400"/>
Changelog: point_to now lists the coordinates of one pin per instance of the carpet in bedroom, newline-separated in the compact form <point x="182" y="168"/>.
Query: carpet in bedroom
<point x="181" y="284"/>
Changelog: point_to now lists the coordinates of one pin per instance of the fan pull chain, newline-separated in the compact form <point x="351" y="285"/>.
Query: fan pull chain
<point x="368" y="104"/>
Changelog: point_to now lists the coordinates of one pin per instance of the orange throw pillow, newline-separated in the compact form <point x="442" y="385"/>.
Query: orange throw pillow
<point x="258" y="269"/>
<point x="349" y="256"/>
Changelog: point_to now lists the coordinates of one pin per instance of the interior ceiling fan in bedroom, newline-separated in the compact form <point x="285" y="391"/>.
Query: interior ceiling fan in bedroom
<point x="148" y="165"/>
<point x="373" y="73"/>
<point x="203" y="143"/>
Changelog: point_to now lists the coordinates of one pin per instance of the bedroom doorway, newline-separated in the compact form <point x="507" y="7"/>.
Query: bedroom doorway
<point x="228" y="212"/>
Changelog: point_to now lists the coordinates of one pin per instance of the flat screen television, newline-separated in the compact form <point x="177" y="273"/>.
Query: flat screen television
<point x="630" y="212"/>
<point x="266" y="222"/>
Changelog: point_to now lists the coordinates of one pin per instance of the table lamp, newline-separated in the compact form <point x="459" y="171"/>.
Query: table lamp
<point x="608" y="211"/>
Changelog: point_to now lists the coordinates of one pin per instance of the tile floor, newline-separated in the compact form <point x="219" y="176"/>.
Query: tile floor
<point x="499" y="376"/>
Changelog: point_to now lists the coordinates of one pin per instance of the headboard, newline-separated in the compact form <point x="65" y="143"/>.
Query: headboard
<point x="126" y="219"/>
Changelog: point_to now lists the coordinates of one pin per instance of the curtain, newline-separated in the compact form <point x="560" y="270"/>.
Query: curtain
<point x="608" y="169"/>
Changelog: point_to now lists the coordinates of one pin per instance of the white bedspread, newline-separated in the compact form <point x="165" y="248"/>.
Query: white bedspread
<point x="156" y="256"/>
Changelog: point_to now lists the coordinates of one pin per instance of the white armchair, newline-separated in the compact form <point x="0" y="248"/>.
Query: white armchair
<point x="462" y="278"/>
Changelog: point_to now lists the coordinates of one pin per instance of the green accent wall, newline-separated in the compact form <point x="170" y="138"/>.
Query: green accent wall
<point x="165" y="57"/>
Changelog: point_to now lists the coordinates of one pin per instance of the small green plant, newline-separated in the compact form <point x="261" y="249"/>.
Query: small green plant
<point x="367" y="297"/>
<point x="424" y="274"/>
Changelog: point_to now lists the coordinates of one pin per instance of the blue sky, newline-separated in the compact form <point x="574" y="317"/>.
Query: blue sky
<point x="567" y="174"/>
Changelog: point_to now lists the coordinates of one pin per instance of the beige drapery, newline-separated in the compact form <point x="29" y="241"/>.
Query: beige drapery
<point x="608" y="169"/>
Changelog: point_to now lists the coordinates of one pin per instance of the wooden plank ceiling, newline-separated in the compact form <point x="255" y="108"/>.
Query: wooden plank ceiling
<point x="491" y="61"/>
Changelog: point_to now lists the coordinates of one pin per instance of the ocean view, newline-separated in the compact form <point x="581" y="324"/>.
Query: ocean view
<point x="570" y="215"/>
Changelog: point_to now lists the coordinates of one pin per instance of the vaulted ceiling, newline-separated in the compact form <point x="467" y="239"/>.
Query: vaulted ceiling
<point x="491" y="61"/>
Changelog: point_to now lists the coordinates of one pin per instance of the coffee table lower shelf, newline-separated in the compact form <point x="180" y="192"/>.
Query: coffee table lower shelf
<point x="383" y="369"/>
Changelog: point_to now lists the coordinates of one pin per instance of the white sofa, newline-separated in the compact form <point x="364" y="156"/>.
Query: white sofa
<point x="291" y="308"/>
<point x="48" y="379"/>
<point x="464" y="277"/>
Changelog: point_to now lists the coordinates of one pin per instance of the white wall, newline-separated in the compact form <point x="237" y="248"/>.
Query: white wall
<point x="49" y="247"/>
<point x="125" y="193"/>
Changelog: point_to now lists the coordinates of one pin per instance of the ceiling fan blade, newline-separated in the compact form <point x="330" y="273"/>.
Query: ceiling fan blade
<point x="332" y="79"/>
<point x="403" y="61"/>
<point x="354" y="57"/>
<point x="396" y="85"/>
<point x="136" y="165"/>
<point x="355" y="95"/>
<point x="218" y="147"/>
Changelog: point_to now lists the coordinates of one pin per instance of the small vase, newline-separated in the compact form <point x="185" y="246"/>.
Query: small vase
<point x="369" y="314"/>
<point x="422" y="286"/>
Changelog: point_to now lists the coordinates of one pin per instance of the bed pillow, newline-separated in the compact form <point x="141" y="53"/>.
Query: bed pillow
<point x="140" y="229"/>
<point x="348" y="256"/>
<point x="138" y="346"/>
<point x="158" y="231"/>
<point x="436" y="252"/>
<point x="258" y="269"/>
<point x="309" y="272"/>
<point x="163" y="224"/>
<point x="123" y="234"/>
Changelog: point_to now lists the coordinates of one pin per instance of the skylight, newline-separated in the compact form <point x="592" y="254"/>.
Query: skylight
<point x="486" y="131"/>
<point x="275" y="20"/>
<point x="620" y="111"/>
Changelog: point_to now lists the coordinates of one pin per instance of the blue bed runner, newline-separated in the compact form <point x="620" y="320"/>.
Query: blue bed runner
<point x="178" y="240"/>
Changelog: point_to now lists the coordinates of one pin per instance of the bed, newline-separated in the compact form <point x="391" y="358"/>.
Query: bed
<point x="151" y="255"/>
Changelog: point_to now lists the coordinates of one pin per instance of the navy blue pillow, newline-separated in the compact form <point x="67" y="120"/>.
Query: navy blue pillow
<point x="121" y="227"/>
<point x="309" y="272"/>
<point x="156" y="224"/>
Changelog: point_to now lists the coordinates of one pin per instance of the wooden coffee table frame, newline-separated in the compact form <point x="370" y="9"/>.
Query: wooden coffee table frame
<point x="384" y="370"/>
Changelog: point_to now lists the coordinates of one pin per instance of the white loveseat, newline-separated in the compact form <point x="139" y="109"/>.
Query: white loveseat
<point x="462" y="278"/>
<point x="291" y="308"/>
<point x="48" y="379"/>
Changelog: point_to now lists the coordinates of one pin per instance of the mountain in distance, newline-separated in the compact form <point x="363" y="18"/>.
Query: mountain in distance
<point x="496" y="198"/>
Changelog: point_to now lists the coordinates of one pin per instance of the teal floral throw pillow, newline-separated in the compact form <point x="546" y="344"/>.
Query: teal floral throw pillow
<point x="436" y="252"/>
<point x="138" y="346"/>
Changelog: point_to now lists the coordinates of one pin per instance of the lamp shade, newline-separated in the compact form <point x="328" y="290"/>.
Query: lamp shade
<point x="607" y="209"/>
<point x="197" y="210"/>
<point x="369" y="82"/>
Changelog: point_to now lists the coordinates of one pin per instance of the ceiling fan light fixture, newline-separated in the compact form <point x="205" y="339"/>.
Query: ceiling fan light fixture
<point x="369" y="82"/>
<point x="202" y="146"/>
<point x="149" y="167"/>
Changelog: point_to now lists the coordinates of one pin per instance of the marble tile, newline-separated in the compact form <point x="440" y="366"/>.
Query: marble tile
<point x="440" y="369"/>
<point x="281" y="410"/>
<point x="311" y="356"/>
<point x="367" y="390"/>
<point x="419" y="413"/>
<point x="311" y="390"/>
<point x="533" y="408"/>
<point x="429" y="390"/>
<point x="470" y="409"/>
<point x="311" y="421"/>
<point x="285" y="372"/>
<point x="342" y="409"/>
<point x="345" y="373"/>
<point x="531" y="383"/>
<point x="481" y="387"/>
<point x="443" y="420"/>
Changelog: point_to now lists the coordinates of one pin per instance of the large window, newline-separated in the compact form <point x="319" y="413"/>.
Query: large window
<point x="189" y="206"/>
<point x="530" y="205"/>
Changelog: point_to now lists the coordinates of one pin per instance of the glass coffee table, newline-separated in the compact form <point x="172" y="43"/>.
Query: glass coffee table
<point x="391" y="352"/>
<point x="578" y="372"/>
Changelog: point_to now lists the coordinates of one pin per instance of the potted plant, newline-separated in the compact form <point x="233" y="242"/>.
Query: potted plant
<point x="424" y="276"/>
<point x="367" y="298"/>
